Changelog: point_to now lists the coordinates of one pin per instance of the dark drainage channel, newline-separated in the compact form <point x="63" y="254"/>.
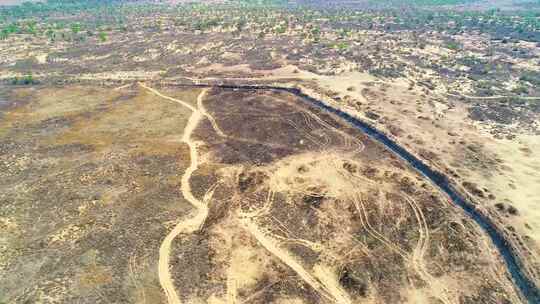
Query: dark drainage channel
<point x="527" y="288"/>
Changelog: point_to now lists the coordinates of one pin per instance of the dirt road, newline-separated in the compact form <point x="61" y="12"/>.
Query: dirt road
<point x="195" y="222"/>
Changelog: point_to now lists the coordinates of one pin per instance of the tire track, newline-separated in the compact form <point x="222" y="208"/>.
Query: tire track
<point x="331" y="294"/>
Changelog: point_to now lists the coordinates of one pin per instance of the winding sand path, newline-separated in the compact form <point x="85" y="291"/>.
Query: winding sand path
<point x="194" y="223"/>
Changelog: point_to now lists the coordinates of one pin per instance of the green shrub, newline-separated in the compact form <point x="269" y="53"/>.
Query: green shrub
<point x="102" y="36"/>
<point x="453" y="46"/>
<point x="25" y="80"/>
<point x="531" y="77"/>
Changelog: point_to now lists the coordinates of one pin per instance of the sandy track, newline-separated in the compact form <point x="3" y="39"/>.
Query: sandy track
<point x="194" y="223"/>
<point x="364" y="218"/>
<point x="215" y="126"/>
<point x="334" y="295"/>
<point x="492" y="97"/>
<point x="185" y="104"/>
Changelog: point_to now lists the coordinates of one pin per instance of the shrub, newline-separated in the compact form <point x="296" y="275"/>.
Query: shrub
<point x="25" y="80"/>
<point x="531" y="77"/>
<point x="102" y="36"/>
<point x="512" y="210"/>
<point x="453" y="46"/>
<point x="520" y="89"/>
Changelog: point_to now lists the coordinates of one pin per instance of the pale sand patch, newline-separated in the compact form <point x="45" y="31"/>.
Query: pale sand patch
<point x="42" y="58"/>
<point x="343" y="81"/>
<point x="231" y="55"/>
<point x="213" y="299"/>
<point x="526" y="64"/>
<point x="417" y="296"/>
<point x="126" y="75"/>
<point x="329" y="278"/>
<point x="8" y="224"/>
<point x="70" y="233"/>
<point x="243" y="68"/>
<point x="94" y="58"/>
<point x="245" y="267"/>
<point x="8" y="75"/>
<point x="289" y="301"/>
<point x="324" y="171"/>
<point x="523" y="157"/>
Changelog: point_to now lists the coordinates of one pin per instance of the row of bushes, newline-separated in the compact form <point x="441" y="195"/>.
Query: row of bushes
<point x="25" y="80"/>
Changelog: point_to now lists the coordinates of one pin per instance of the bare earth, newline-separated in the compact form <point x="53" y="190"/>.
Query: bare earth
<point x="233" y="196"/>
<point x="128" y="176"/>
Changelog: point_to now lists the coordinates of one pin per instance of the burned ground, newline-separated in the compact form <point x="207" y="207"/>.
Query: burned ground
<point x="326" y="201"/>
<point x="304" y="208"/>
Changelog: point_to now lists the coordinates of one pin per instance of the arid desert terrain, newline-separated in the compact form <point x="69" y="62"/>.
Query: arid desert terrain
<point x="270" y="152"/>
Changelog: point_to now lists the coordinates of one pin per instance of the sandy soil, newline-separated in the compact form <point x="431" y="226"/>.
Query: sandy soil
<point x="504" y="169"/>
<point x="289" y="206"/>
